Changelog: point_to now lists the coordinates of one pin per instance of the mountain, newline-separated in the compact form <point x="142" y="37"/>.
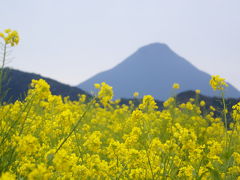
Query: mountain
<point x="17" y="83"/>
<point x="153" y="69"/>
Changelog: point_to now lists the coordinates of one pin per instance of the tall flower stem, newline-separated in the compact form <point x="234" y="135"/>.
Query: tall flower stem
<point x="225" y="116"/>
<point x="2" y="68"/>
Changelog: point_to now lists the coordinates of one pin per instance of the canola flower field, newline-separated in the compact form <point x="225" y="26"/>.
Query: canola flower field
<point x="46" y="137"/>
<point x="49" y="137"/>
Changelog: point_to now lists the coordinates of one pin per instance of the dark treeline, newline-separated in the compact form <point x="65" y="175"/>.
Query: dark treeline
<point x="16" y="84"/>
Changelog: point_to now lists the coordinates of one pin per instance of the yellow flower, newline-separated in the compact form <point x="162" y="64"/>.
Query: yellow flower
<point x="40" y="172"/>
<point x="11" y="37"/>
<point x="105" y="93"/>
<point x="93" y="142"/>
<point x="148" y="103"/>
<point x="135" y="94"/>
<point x="236" y="112"/>
<point x="97" y="86"/>
<point x="176" y="86"/>
<point x="186" y="171"/>
<point x="212" y="108"/>
<point x="197" y="91"/>
<point x="7" y="176"/>
<point x="64" y="161"/>
<point x="236" y="157"/>
<point x="2" y="35"/>
<point x="202" y="103"/>
<point x="27" y="144"/>
<point x="234" y="170"/>
<point x="169" y="102"/>
<point x="7" y="31"/>
<point x="218" y="83"/>
<point x="133" y="137"/>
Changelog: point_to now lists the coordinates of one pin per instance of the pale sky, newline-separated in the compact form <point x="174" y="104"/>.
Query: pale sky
<point x="72" y="40"/>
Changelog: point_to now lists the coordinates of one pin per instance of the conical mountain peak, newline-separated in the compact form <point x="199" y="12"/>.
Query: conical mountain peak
<point x="154" y="56"/>
<point x="152" y="69"/>
<point x="155" y="47"/>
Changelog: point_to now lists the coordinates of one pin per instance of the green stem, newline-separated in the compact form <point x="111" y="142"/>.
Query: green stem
<point x="149" y="163"/>
<point x="3" y="64"/>
<point x="225" y="116"/>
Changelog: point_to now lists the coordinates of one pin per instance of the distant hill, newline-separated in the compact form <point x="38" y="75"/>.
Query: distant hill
<point x="153" y="69"/>
<point x="17" y="84"/>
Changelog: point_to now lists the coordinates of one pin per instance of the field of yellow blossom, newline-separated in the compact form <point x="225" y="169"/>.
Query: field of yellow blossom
<point x="47" y="137"/>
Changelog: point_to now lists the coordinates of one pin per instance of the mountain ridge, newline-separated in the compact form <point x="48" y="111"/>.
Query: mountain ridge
<point x="151" y="67"/>
<point x="17" y="84"/>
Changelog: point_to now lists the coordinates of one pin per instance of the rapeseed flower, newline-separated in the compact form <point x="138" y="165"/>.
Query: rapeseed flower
<point x="7" y="176"/>
<point x="197" y="91"/>
<point x="10" y="37"/>
<point x="135" y="94"/>
<point x="176" y="86"/>
<point x="218" y="83"/>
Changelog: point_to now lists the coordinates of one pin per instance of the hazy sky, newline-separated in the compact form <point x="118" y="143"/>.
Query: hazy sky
<point x="72" y="40"/>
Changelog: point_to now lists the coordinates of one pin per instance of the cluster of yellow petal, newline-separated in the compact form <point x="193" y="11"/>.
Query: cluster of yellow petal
<point x="47" y="137"/>
<point x="10" y="37"/>
<point x="236" y="112"/>
<point x="176" y="86"/>
<point x="218" y="83"/>
<point x="105" y="93"/>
